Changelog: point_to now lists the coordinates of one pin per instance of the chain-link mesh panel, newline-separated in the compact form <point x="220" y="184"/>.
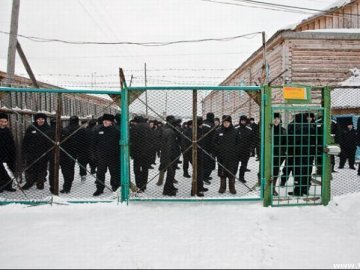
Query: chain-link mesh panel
<point x="345" y="131"/>
<point x="64" y="144"/>
<point x="173" y="157"/>
<point x="297" y="155"/>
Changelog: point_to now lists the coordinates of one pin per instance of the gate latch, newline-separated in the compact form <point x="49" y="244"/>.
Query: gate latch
<point x="333" y="150"/>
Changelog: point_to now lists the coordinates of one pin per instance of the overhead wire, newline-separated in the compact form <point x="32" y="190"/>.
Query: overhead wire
<point x="146" y="44"/>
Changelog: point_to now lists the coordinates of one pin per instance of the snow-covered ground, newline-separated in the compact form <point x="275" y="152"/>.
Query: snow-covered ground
<point x="181" y="235"/>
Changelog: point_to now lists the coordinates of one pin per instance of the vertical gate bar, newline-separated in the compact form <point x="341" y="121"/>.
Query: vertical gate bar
<point x="326" y="166"/>
<point x="124" y="140"/>
<point x="194" y="145"/>
<point x="266" y="145"/>
<point x="57" y="143"/>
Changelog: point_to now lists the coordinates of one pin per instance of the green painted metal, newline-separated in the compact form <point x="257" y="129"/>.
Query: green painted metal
<point x="217" y="88"/>
<point x="124" y="142"/>
<point x="64" y="91"/>
<point x="322" y="126"/>
<point x="266" y="146"/>
<point x="198" y="200"/>
<point x="326" y="186"/>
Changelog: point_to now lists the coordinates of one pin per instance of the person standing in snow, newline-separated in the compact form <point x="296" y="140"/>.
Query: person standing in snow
<point x="107" y="150"/>
<point x="348" y="143"/>
<point x="208" y="128"/>
<point x="169" y="155"/>
<point x="226" y="149"/>
<point x="7" y="154"/>
<point x="246" y="142"/>
<point x="279" y="146"/>
<point x="141" y="150"/>
<point x="35" y="148"/>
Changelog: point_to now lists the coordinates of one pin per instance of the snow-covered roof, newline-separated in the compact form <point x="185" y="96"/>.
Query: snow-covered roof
<point x="336" y="30"/>
<point x="336" y="5"/>
<point x="347" y="97"/>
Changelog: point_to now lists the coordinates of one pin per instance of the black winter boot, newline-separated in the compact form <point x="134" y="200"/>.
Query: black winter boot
<point x="222" y="185"/>
<point x="232" y="185"/>
<point x="161" y="178"/>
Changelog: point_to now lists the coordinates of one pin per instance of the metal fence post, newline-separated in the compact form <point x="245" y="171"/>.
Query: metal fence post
<point x="124" y="141"/>
<point x="326" y="192"/>
<point x="194" y="146"/>
<point x="266" y="144"/>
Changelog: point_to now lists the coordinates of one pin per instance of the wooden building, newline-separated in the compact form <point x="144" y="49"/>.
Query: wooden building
<point x="320" y="50"/>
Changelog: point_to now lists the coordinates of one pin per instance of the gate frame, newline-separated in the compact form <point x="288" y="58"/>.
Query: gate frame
<point x="125" y="162"/>
<point x="326" y="166"/>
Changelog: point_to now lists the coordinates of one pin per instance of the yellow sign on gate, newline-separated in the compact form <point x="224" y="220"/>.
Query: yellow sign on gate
<point x="295" y="93"/>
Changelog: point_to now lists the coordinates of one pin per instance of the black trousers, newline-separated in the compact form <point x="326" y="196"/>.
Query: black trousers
<point x="347" y="154"/>
<point x="141" y="171"/>
<point x="37" y="172"/>
<point x="209" y="165"/>
<point x="170" y="175"/>
<point x="186" y="162"/>
<point x="277" y="161"/>
<point x="244" y="159"/>
<point x="68" y="170"/>
<point x="302" y="175"/>
<point x="84" y="160"/>
<point x="114" y="168"/>
<point x="5" y="180"/>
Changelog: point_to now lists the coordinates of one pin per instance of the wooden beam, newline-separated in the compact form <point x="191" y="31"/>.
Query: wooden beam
<point x="26" y="65"/>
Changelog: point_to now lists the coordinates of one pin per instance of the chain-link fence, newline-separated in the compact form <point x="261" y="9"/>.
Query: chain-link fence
<point x="195" y="145"/>
<point x="60" y="143"/>
<point x="345" y="131"/>
<point x="185" y="144"/>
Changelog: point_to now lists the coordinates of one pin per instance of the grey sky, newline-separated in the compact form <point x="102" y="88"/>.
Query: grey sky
<point x="96" y="66"/>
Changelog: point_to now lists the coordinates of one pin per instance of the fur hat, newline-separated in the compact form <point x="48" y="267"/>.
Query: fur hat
<point x="243" y="118"/>
<point x="108" y="117"/>
<point x="210" y="116"/>
<point x="171" y="119"/>
<point x="4" y="116"/>
<point x="40" y="115"/>
<point x="227" y="118"/>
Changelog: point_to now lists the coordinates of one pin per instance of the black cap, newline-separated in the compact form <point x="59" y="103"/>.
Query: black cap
<point x="217" y="119"/>
<point x="40" y="115"/>
<point x="277" y="115"/>
<point x="74" y="119"/>
<point x="139" y="119"/>
<point x="4" y="116"/>
<point x="92" y="123"/>
<point x="108" y="117"/>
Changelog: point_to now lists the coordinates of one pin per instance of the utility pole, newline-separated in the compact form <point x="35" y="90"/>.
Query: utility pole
<point x="146" y="97"/>
<point x="13" y="41"/>
<point x="265" y="79"/>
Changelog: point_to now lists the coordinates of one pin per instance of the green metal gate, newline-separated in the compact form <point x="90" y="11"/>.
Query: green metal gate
<point x="153" y="189"/>
<point x="297" y="166"/>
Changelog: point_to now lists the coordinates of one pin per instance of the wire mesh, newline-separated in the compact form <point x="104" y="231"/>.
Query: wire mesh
<point x="162" y="142"/>
<point x="297" y="155"/>
<point x="87" y="143"/>
<point x="345" y="131"/>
